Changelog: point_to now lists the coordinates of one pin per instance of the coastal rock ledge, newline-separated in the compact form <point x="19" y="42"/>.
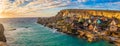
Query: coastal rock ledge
<point x="92" y="25"/>
<point x="2" y="36"/>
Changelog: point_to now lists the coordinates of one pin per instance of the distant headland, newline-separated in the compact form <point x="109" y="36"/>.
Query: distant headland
<point x="92" y="25"/>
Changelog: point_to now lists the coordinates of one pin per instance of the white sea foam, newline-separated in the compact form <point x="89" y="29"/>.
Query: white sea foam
<point x="11" y="36"/>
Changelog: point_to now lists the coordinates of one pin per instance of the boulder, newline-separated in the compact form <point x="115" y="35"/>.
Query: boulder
<point x="81" y="33"/>
<point x="3" y="44"/>
<point x="117" y="42"/>
<point x="90" y="36"/>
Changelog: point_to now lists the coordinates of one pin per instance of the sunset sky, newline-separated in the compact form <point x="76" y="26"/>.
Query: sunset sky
<point x="47" y="8"/>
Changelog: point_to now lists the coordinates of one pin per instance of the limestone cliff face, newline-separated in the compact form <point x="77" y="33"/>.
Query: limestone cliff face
<point x="86" y="12"/>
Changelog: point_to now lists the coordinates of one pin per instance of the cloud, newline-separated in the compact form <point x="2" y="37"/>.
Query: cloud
<point x="23" y="7"/>
<point x="36" y="7"/>
<point x="81" y="0"/>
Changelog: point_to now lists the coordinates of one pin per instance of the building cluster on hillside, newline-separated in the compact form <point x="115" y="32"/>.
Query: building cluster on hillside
<point x="93" y="23"/>
<point x="90" y="27"/>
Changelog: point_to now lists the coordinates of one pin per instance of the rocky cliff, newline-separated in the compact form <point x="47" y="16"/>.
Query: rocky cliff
<point x="85" y="13"/>
<point x="87" y="24"/>
<point x="2" y="36"/>
<point x="106" y="13"/>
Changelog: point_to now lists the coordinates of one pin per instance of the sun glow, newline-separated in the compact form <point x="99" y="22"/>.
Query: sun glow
<point x="1" y="16"/>
<point x="21" y="8"/>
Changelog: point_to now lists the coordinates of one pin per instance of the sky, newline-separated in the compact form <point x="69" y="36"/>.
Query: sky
<point x="48" y="8"/>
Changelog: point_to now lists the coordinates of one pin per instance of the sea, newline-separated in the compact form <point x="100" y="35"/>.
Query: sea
<point x="26" y="32"/>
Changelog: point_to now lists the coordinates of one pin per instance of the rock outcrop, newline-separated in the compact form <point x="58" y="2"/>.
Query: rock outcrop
<point x="92" y="25"/>
<point x="2" y="36"/>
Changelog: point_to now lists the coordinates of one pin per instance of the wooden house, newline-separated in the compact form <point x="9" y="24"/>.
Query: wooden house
<point x="90" y="27"/>
<point x="113" y="26"/>
<point x="95" y="29"/>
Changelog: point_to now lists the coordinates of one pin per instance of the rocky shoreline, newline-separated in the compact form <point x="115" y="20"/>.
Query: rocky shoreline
<point x="87" y="25"/>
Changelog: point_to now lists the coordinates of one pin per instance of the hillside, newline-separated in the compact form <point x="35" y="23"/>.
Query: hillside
<point x="87" y="24"/>
<point x="87" y="12"/>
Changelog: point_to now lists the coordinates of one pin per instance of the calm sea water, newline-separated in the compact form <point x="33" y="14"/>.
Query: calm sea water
<point x="26" y="32"/>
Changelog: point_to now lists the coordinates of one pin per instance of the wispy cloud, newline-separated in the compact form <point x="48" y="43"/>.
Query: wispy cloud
<point x="36" y="7"/>
<point x="21" y="7"/>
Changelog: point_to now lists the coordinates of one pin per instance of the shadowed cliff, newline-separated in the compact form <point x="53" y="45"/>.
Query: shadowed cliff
<point x="2" y="36"/>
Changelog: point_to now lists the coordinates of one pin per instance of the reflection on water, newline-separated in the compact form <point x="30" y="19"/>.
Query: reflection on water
<point x="26" y="32"/>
